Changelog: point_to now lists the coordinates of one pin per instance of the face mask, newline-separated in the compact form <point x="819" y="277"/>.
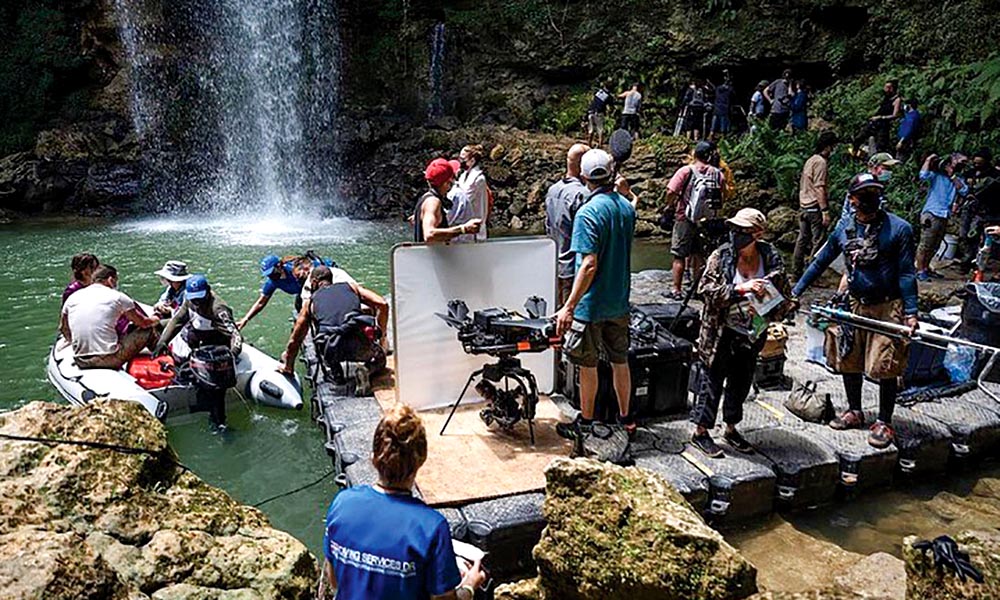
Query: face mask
<point x="741" y="239"/>
<point x="869" y="203"/>
<point x="884" y="176"/>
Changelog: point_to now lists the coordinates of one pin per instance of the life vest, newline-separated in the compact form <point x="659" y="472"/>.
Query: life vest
<point x="152" y="373"/>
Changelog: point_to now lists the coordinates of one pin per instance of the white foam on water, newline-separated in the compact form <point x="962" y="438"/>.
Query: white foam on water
<point x="289" y="427"/>
<point x="254" y="230"/>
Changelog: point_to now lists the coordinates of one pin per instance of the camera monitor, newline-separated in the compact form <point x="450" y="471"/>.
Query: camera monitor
<point x="431" y="366"/>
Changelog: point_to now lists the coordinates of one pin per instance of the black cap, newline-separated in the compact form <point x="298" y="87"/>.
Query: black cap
<point x="863" y="181"/>
<point x="703" y="150"/>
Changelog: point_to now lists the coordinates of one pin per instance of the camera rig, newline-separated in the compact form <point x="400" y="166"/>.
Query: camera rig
<point x="509" y="389"/>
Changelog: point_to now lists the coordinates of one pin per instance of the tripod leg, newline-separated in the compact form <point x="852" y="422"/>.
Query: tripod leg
<point x="454" y="406"/>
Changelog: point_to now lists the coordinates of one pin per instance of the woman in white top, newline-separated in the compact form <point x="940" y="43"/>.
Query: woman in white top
<point x="472" y="181"/>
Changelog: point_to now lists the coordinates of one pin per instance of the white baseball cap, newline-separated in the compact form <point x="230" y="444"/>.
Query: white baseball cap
<point x="596" y="165"/>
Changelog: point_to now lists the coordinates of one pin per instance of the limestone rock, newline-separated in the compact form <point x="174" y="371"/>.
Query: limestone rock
<point x="925" y="582"/>
<point x="624" y="533"/>
<point x="521" y="590"/>
<point x="825" y="594"/>
<point x="128" y="525"/>
<point x="878" y="575"/>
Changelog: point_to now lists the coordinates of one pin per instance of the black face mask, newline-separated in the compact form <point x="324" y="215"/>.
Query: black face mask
<point x="869" y="203"/>
<point x="741" y="239"/>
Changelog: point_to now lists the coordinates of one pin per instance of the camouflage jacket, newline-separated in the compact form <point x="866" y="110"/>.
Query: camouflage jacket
<point x="718" y="293"/>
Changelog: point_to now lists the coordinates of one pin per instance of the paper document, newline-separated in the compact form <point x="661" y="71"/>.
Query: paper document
<point x="766" y="302"/>
<point x="467" y="551"/>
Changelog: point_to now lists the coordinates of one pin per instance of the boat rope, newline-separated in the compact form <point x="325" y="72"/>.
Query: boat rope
<point x="296" y="490"/>
<point x="94" y="445"/>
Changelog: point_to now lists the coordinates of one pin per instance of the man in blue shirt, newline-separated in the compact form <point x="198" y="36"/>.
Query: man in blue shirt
<point x="596" y="315"/>
<point x="946" y="184"/>
<point x="288" y="275"/>
<point x="878" y="251"/>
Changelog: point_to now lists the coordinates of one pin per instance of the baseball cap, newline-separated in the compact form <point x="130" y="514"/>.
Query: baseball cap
<point x="196" y="287"/>
<point x="882" y="158"/>
<point x="439" y="171"/>
<point x="864" y="181"/>
<point x="268" y="263"/>
<point x="749" y="218"/>
<point x="596" y="165"/>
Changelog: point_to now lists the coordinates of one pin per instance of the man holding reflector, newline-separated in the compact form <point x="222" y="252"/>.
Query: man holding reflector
<point x="878" y="252"/>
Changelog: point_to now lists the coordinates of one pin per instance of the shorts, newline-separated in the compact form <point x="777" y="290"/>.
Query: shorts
<point x="595" y="123"/>
<point x="932" y="230"/>
<point x="694" y="119"/>
<point x="875" y="355"/>
<point x="630" y="122"/>
<point x="684" y="239"/>
<point x="608" y="339"/>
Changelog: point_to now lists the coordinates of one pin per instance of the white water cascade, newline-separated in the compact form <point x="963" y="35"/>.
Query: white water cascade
<point x="234" y="101"/>
<point x="435" y="105"/>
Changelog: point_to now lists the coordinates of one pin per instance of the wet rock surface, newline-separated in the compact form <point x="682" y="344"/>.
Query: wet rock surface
<point x="661" y="547"/>
<point x="924" y="580"/>
<point x="80" y="522"/>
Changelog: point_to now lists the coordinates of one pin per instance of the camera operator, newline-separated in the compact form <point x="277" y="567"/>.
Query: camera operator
<point x="430" y="223"/>
<point x="562" y="200"/>
<point x="695" y="192"/>
<point x="408" y="542"/>
<point x="878" y="253"/>
<point x="596" y="315"/>
<point x="946" y="184"/>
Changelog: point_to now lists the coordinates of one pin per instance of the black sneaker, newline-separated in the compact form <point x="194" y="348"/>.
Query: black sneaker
<point x="706" y="444"/>
<point x="738" y="442"/>
<point x="575" y="429"/>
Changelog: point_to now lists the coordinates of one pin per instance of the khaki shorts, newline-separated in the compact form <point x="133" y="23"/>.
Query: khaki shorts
<point x="684" y="239"/>
<point x="875" y="355"/>
<point x="601" y="338"/>
<point x="129" y="347"/>
<point x="932" y="230"/>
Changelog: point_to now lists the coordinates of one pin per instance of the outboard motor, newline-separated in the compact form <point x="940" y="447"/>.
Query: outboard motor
<point x="213" y="370"/>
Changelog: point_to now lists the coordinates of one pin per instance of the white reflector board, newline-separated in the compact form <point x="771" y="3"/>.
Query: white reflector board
<point x="431" y="367"/>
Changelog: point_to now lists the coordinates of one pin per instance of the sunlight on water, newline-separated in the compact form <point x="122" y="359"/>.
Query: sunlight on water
<point x="258" y="230"/>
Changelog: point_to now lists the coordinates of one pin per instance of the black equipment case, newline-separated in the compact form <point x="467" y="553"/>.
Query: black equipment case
<point x="687" y="326"/>
<point x="660" y="364"/>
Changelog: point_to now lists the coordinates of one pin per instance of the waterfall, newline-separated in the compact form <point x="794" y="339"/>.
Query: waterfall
<point x="435" y="105"/>
<point x="234" y="101"/>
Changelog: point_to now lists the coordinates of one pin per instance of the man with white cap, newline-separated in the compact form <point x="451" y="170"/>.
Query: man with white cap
<point x="595" y="317"/>
<point x="741" y="278"/>
<point x="173" y="275"/>
<point x="881" y="284"/>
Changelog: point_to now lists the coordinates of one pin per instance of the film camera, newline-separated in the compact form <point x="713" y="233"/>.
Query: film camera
<point x="509" y="389"/>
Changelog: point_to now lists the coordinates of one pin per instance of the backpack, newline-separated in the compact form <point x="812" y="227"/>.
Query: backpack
<point x="704" y="194"/>
<point x="697" y="98"/>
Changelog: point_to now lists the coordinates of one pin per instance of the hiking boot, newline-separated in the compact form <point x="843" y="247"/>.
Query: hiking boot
<point x="849" y="419"/>
<point x="707" y="445"/>
<point x="575" y="429"/>
<point x="880" y="435"/>
<point x="737" y="442"/>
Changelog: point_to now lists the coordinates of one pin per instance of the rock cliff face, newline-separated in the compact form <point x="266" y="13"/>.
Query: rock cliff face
<point x="79" y="522"/>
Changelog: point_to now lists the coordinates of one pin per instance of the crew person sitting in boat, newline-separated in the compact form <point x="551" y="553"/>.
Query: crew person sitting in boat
<point x="288" y="274"/>
<point x="173" y="275"/>
<point x="204" y="319"/>
<point x="881" y="284"/>
<point x="341" y="331"/>
<point x="88" y="321"/>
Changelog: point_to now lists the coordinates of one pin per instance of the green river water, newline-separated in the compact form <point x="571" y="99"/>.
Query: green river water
<point x="267" y="451"/>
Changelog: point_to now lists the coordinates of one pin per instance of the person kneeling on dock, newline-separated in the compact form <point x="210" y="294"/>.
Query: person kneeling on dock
<point x="405" y="546"/>
<point x="881" y="284"/>
<point x="341" y="331"/>
<point x="741" y="277"/>
<point x="88" y="321"/>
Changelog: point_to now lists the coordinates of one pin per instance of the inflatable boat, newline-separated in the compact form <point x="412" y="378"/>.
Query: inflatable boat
<point x="256" y="377"/>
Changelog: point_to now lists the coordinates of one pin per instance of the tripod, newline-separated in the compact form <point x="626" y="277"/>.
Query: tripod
<point x="505" y="369"/>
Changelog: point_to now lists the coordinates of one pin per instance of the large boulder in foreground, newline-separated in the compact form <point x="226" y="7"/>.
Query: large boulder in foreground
<point x="925" y="581"/>
<point x="625" y="533"/>
<point x="84" y="522"/>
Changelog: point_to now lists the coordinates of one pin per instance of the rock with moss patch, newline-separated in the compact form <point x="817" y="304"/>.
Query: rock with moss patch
<point x="129" y="525"/>
<point x="625" y="533"/>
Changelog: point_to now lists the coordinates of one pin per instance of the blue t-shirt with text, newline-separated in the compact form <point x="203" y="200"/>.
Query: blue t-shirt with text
<point x="604" y="226"/>
<point x="388" y="547"/>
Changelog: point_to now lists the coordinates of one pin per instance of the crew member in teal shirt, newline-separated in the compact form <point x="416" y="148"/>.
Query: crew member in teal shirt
<point x="596" y="315"/>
